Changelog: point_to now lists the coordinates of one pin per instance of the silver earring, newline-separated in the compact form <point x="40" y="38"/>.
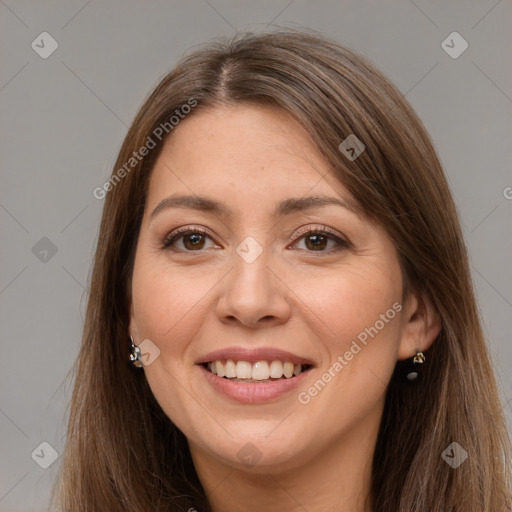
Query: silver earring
<point x="135" y="355"/>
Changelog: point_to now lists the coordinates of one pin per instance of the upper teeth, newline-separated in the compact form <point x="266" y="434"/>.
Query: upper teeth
<point x="261" y="370"/>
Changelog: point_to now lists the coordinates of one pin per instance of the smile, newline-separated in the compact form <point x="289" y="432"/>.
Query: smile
<point x="253" y="375"/>
<point x="259" y="371"/>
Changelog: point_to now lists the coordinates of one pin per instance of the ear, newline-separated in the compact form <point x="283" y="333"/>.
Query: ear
<point x="133" y="330"/>
<point x="421" y="325"/>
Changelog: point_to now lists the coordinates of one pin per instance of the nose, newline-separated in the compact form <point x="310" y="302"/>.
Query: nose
<point x="253" y="294"/>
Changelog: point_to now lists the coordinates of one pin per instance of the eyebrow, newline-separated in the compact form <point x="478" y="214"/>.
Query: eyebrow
<point x="285" y="207"/>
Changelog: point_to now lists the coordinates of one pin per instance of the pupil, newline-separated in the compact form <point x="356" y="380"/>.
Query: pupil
<point x="195" y="239"/>
<point x="319" y="239"/>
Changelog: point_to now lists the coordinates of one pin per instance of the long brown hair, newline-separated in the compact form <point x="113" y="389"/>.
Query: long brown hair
<point x="124" y="454"/>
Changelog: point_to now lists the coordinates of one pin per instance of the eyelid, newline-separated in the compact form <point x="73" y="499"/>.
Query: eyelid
<point x="307" y="229"/>
<point x="174" y="234"/>
<point x="340" y="239"/>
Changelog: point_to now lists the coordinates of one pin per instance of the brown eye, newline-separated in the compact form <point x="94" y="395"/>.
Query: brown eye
<point x="316" y="242"/>
<point x="193" y="240"/>
<point x="196" y="241"/>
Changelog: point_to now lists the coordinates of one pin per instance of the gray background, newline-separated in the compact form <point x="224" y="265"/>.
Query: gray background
<point x="63" y="119"/>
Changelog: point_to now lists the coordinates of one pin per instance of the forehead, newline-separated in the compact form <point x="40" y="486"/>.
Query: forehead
<point x="251" y="149"/>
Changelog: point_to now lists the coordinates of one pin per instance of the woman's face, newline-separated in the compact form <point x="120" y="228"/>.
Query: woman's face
<point x="253" y="288"/>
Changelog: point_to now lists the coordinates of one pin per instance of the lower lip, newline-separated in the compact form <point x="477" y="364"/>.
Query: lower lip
<point x="253" y="392"/>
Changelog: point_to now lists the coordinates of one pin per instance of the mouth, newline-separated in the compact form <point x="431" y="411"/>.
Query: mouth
<point x="254" y="375"/>
<point x="255" y="372"/>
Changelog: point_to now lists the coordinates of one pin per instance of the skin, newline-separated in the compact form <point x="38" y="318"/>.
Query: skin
<point x="312" y="302"/>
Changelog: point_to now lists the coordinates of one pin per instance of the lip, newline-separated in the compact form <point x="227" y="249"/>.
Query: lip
<point x="253" y="355"/>
<point x="253" y="392"/>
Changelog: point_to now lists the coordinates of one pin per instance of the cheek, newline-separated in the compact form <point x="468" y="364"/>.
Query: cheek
<point x="357" y="320"/>
<point x="350" y="301"/>
<point x="360" y="314"/>
<point x="168" y="305"/>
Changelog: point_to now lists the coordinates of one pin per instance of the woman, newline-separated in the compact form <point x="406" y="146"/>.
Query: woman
<point x="281" y="314"/>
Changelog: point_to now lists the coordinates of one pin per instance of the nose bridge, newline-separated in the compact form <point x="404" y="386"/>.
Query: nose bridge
<point x="252" y="290"/>
<point x="251" y="269"/>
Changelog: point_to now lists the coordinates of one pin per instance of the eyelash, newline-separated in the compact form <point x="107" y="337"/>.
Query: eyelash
<point x="324" y="231"/>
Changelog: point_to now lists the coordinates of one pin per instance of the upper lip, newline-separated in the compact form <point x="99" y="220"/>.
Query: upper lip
<point x="253" y="355"/>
